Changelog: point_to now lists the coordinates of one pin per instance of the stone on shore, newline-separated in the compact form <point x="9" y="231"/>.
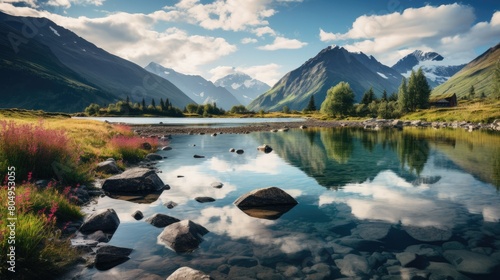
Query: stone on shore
<point x="108" y="167"/>
<point x="153" y="157"/>
<point x="198" y="156"/>
<point x="138" y="215"/>
<point x="270" y="196"/>
<point x="134" y="180"/>
<point x="108" y="256"/>
<point x="185" y="273"/>
<point x="106" y="220"/>
<point x="239" y="151"/>
<point x="217" y="185"/>
<point x="161" y="220"/>
<point x="183" y="236"/>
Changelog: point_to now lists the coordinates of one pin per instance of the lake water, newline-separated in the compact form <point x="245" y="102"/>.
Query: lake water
<point x="214" y="122"/>
<point x="368" y="202"/>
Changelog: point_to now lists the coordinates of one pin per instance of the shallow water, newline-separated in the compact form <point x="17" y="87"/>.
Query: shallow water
<point x="363" y="198"/>
<point x="213" y="122"/>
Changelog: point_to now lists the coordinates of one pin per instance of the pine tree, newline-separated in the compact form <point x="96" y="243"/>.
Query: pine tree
<point x="153" y="103"/>
<point x="368" y="97"/>
<point x="162" y="104"/>
<point x="412" y="92"/>
<point x="423" y="90"/>
<point x="472" y="92"/>
<point x="311" y="106"/>
<point x="403" y="100"/>
<point x="128" y="100"/>
<point x="384" y="96"/>
<point x="143" y="104"/>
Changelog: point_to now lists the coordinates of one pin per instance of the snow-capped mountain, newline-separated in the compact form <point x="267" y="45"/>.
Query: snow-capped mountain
<point x="330" y="66"/>
<point x="435" y="67"/>
<point x="196" y="87"/>
<point x="242" y="86"/>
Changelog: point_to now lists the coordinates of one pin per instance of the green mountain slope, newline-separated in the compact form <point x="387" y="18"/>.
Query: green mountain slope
<point x="33" y="78"/>
<point x="331" y="66"/>
<point x="478" y="73"/>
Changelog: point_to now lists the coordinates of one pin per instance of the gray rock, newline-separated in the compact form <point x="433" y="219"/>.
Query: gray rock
<point x="265" y="148"/>
<point x="138" y="215"/>
<point x="407" y="259"/>
<point x="270" y="196"/>
<point x="373" y="230"/>
<point x="98" y="236"/>
<point x="161" y="220"/>
<point x="204" y="199"/>
<point x="134" y="180"/>
<point x="453" y="245"/>
<point x="183" y="236"/>
<point x="198" y="156"/>
<point x="232" y="150"/>
<point x="217" y="185"/>
<point x="361" y="244"/>
<point x="185" y="273"/>
<point x="153" y="157"/>
<point x="353" y="265"/>
<point x="470" y="262"/>
<point x="110" y="256"/>
<point x="239" y="151"/>
<point x="108" y="167"/>
<point x="406" y="273"/>
<point x="170" y="204"/>
<point x="242" y="261"/>
<point x="428" y="234"/>
<point x="106" y="220"/>
<point x="426" y="250"/>
<point x="166" y="148"/>
<point x="440" y="271"/>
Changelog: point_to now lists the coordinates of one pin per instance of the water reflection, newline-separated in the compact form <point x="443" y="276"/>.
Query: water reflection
<point x="339" y="144"/>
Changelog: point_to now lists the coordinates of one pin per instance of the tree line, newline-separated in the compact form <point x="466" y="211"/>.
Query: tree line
<point x="412" y="94"/>
<point x="128" y="108"/>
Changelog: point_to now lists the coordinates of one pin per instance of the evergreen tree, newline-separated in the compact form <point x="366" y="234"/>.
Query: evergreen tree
<point x="162" y="104"/>
<point x="153" y="103"/>
<point x="311" y="106"/>
<point x="412" y="92"/>
<point x="384" y="96"/>
<point x="128" y="100"/>
<point x="339" y="100"/>
<point x="368" y="97"/>
<point x="143" y="104"/>
<point x="472" y="92"/>
<point x="423" y="91"/>
<point x="403" y="99"/>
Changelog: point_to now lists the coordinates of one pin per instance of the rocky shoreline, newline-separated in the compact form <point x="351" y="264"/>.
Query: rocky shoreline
<point x="160" y="130"/>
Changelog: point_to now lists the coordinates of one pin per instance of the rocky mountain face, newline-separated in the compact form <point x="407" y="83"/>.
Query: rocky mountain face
<point x="433" y="64"/>
<point x="70" y="72"/>
<point x="479" y="73"/>
<point x="243" y="87"/>
<point x="329" y="67"/>
<point x="196" y="87"/>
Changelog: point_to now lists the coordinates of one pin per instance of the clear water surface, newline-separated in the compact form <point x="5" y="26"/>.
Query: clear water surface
<point x="364" y="198"/>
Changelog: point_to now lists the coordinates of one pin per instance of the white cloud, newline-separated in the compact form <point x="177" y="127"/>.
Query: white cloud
<point x="248" y="40"/>
<point x="268" y="73"/>
<point x="133" y="37"/>
<point x="261" y="31"/>
<point x="235" y="15"/>
<point x="68" y="3"/>
<point x="447" y="29"/>
<point x="281" y="43"/>
<point x="29" y="3"/>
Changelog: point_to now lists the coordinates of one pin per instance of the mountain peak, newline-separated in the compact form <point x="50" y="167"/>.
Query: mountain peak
<point x="424" y="56"/>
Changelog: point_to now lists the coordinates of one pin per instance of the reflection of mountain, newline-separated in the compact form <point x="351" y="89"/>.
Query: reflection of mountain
<point x="335" y="157"/>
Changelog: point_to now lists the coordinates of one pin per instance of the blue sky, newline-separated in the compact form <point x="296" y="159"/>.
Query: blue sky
<point x="268" y="38"/>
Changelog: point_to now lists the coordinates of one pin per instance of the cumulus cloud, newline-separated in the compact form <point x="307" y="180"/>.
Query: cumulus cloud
<point x="68" y="3"/>
<point x="248" y="40"/>
<point x="133" y="37"/>
<point x="447" y="29"/>
<point x="268" y="73"/>
<point x="281" y="43"/>
<point x="235" y="15"/>
<point x="261" y="31"/>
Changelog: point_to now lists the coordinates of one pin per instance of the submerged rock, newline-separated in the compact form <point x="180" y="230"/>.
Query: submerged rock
<point x="138" y="215"/>
<point x="217" y="185"/>
<point x="183" y="236"/>
<point x="134" y="180"/>
<point x="428" y="234"/>
<point x="470" y="262"/>
<point x="353" y="265"/>
<point x="106" y="220"/>
<point x="265" y="148"/>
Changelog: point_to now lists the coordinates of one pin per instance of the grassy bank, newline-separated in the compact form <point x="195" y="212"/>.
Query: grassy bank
<point x="36" y="145"/>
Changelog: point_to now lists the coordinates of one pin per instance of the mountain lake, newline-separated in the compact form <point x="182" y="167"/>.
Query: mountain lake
<point x="388" y="204"/>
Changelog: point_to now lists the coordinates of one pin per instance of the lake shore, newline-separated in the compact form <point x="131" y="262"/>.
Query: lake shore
<point x="159" y="130"/>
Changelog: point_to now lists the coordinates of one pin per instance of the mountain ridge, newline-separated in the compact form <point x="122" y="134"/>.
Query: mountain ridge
<point x="243" y="86"/>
